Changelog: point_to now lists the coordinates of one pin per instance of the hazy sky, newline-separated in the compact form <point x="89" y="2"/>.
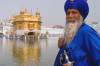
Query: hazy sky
<point x="52" y="11"/>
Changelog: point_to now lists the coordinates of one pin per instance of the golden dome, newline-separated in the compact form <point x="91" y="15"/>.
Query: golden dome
<point x="24" y="15"/>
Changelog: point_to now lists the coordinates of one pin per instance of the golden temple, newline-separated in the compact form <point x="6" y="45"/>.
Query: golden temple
<point x="26" y="21"/>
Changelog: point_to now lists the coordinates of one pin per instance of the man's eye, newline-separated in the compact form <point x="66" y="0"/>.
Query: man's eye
<point x="68" y="13"/>
<point x="74" y="12"/>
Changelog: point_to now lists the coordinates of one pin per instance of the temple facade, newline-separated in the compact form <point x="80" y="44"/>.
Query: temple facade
<point x="25" y="22"/>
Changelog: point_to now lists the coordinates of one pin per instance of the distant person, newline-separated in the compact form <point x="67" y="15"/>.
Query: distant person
<point x="80" y="45"/>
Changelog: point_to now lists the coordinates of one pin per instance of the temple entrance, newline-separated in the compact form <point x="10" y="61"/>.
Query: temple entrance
<point x="31" y="33"/>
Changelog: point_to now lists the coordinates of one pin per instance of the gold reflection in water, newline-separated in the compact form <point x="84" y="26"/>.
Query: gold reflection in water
<point x="1" y="42"/>
<point x="27" y="52"/>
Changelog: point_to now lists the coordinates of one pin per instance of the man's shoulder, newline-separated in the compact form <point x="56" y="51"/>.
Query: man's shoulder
<point x="87" y="29"/>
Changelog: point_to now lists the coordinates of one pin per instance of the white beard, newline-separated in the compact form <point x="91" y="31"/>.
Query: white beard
<point x="70" y="30"/>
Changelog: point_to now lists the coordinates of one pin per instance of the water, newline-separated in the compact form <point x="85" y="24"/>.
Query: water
<point x="28" y="53"/>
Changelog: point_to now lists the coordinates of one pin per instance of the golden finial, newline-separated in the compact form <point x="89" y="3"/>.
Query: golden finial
<point x="37" y="12"/>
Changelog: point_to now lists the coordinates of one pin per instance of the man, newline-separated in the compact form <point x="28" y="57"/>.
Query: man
<point x="80" y="45"/>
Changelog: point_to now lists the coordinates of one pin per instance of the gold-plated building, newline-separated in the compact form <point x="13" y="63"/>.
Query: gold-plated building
<point x="26" y="21"/>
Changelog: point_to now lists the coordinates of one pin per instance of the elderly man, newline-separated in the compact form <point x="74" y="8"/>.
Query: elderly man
<point x="80" y="45"/>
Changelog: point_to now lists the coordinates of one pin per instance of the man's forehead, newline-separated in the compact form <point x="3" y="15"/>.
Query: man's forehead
<point x="73" y="10"/>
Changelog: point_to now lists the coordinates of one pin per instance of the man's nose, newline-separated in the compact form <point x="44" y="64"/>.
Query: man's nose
<point x="71" y="15"/>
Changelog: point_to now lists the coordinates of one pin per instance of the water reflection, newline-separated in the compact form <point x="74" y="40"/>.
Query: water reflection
<point x="1" y="42"/>
<point x="28" y="52"/>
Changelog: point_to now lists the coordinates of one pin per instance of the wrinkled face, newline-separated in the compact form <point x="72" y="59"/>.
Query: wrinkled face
<point x="72" y="15"/>
<point x="74" y="21"/>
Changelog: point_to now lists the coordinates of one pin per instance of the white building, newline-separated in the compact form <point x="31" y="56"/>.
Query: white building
<point x="6" y="28"/>
<point x="52" y="31"/>
<point x="1" y="28"/>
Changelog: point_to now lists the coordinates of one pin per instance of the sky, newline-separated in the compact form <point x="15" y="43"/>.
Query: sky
<point x="52" y="11"/>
